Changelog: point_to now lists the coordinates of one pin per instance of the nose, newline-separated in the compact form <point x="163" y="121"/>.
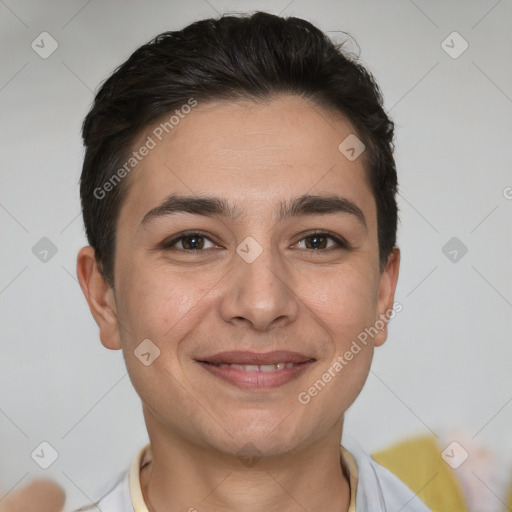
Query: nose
<point x="259" y="294"/>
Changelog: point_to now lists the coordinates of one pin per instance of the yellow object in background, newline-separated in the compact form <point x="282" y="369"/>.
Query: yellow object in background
<point x="418" y="463"/>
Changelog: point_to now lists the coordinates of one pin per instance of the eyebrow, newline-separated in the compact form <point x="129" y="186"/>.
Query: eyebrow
<point x="321" y="205"/>
<point x="216" y="206"/>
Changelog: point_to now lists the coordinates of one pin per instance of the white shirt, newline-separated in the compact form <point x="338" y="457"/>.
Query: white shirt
<point x="373" y="488"/>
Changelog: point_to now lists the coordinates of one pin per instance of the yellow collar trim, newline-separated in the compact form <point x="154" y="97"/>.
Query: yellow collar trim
<point x="141" y="459"/>
<point x="350" y="466"/>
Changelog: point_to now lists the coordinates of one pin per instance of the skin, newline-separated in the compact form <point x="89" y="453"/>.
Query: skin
<point x="41" y="495"/>
<point x="191" y="304"/>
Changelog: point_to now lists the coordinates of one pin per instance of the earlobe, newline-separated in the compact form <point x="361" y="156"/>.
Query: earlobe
<point x="100" y="297"/>
<point x="387" y="287"/>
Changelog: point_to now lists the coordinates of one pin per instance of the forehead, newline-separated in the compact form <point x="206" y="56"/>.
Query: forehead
<point x="253" y="152"/>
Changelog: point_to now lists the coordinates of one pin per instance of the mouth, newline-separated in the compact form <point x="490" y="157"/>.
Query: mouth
<point x="250" y="370"/>
<point x="256" y="367"/>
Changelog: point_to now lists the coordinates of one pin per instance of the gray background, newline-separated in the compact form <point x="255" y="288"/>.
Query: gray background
<point x="447" y="364"/>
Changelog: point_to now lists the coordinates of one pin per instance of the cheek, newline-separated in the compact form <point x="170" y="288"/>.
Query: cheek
<point x="344" y="300"/>
<point x="163" y="307"/>
<point x="344" y="303"/>
<point x="158" y="304"/>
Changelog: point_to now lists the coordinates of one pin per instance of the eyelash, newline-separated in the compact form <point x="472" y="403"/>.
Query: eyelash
<point x="340" y="241"/>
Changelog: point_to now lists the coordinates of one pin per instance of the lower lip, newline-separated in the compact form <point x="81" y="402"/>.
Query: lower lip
<point x="258" y="379"/>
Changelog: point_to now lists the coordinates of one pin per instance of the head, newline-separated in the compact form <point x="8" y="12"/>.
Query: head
<point x="238" y="194"/>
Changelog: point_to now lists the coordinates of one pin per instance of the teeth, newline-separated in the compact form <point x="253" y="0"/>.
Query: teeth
<point x="269" y="367"/>
<point x="258" y="368"/>
<point x="245" y="367"/>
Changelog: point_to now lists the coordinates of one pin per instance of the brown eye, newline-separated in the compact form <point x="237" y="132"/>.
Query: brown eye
<point x="189" y="242"/>
<point x="316" y="242"/>
<point x="192" y="242"/>
<point x="321" y="241"/>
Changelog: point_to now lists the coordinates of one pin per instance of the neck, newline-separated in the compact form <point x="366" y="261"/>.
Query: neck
<point x="186" y="477"/>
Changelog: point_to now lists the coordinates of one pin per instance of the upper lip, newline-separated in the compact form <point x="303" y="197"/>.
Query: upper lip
<point x="243" y="357"/>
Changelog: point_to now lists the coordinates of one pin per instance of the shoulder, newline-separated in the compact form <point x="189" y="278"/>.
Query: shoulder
<point x="123" y="494"/>
<point x="378" y="489"/>
<point x="114" y="498"/>
<point x="418" y="463"/>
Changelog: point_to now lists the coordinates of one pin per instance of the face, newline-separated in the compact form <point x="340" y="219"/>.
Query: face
<point x="247" y="254"/>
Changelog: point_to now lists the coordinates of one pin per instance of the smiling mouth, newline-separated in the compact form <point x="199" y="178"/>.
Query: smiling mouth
<point x="257" y="367"/>
<point x="257" y="371"/>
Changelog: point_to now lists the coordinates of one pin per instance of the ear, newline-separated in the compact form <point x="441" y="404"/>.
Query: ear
<point x="387" y="287"/>
<point x="100" y="297"/>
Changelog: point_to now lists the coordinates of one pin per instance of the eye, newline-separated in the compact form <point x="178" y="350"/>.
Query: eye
<point x="317" y="241"/>
<point x="190" y="242"/>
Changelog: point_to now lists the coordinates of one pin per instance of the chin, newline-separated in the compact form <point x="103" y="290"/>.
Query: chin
<point x="257" y="438"/>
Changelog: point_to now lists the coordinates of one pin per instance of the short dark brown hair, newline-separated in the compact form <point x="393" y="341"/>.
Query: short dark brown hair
<point x="254" y="56"/>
